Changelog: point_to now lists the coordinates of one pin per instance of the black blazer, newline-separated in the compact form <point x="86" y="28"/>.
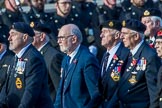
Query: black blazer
<point x="4" y="65"/>
<point x="26" y="85"/>
<point x="108" y="82"/>
<point x="53" y="59"/>
<point x="137" y="87"/>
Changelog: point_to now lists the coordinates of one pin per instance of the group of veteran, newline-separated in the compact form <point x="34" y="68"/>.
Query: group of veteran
<point x="127" y="77"/>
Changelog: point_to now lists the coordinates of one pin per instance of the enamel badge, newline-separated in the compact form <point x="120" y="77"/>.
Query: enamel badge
<point x="18" y="83"/>
<point x="141" y="65"/>
<point x="133" y="80"/>
<point x="115" y="74"/>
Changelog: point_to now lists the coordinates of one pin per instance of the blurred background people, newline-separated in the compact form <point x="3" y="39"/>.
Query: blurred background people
<point x="11" y="13"/>
<point x="151" y="18"/>
<point x="136" y="9"/>
<point x="109" y="10"/>
<point x="37" y="12"/>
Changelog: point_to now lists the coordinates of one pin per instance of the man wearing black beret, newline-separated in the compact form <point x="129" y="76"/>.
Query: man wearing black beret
<point x="158" y="46"/>
<point x="5" y="54"/>
<point x="26" y="84"/>
<point x="137" y="87"/>
<point x="52" y="57"/>
<point x="151" y="18"/>
<point x="113" y="62"/>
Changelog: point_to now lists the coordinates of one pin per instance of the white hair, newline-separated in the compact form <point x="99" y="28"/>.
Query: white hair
<point x="156" y="18"/>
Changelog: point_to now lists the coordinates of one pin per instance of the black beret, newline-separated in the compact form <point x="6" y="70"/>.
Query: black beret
<point x="135" y="25"/>
<point x="23" y="28"/>
<point x="4" y="33"/>
<point x="152" y="12"/>
<point x="3" y="39"/>
<point x="40" y="27"/>
<point x="159" y="34"/>
<point x="112" y="24"/>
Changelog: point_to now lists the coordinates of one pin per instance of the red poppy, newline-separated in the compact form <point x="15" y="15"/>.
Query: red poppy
<point x="159" y="33"/>
<point x="75" y="61"/>
<point x="115" y="57"/>
<point x="134" y="61"/>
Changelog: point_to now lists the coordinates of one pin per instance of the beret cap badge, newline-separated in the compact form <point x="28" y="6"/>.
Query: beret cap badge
<point x="123" y="23"/>
<point x="146" y="13"/>
<point x="111" y="24"/>
<point x="32" y="24"/>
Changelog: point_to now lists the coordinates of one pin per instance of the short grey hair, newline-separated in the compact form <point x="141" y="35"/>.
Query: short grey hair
<point x="140" y="34"/>
<point x="156" y="18"/>
<point x="76" y="31"/>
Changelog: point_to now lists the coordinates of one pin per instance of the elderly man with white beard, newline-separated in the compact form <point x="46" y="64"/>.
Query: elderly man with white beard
<point x="152" y="20"/>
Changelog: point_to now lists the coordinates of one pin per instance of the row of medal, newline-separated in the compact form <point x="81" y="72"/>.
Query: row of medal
<point x="141" y="66"/>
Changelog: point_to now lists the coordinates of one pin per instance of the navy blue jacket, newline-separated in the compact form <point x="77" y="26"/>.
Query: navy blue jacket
<point x="109" y="84"/>
<point x="79" y="84"/>
<point x="26" y="85"/>
<point x="138" y="85"/>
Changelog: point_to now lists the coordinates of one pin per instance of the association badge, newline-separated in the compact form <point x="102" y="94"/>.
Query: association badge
<point x="115" y="76"/>
<point x="133" y="80"/>
<point x="18" y="83"/>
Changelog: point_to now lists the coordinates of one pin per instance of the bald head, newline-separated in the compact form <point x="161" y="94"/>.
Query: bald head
<point x="63" y="0"/>
<point x="69" y="37"/>
<point x="73" y="30"/>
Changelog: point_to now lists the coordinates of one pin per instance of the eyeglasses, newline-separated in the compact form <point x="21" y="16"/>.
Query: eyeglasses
<point x="63" y="37"/>
<point x="64" y="3"/>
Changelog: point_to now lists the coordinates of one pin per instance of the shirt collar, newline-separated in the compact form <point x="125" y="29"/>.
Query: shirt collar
<point x="42" y="46"/>
<point x="19" y="55"/>
<point x="72" y="55"/>
<point x="136" y="48"/>
<point x="1" y="55"/>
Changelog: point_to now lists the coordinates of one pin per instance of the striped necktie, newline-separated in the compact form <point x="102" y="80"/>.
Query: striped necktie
<point x="104" y="64"/>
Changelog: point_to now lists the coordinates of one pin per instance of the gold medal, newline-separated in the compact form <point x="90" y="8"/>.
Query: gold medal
<point x="115" y="76"/>
<point x="133" y="80"/>
<point x="18" y="83"/>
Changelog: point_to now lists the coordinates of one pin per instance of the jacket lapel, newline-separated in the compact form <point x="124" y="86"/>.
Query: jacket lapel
<point x="44" y="49"/>
<point x="71" y="69"/>
<point x="133" y="64"/>
<point x="113" y="63"/>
